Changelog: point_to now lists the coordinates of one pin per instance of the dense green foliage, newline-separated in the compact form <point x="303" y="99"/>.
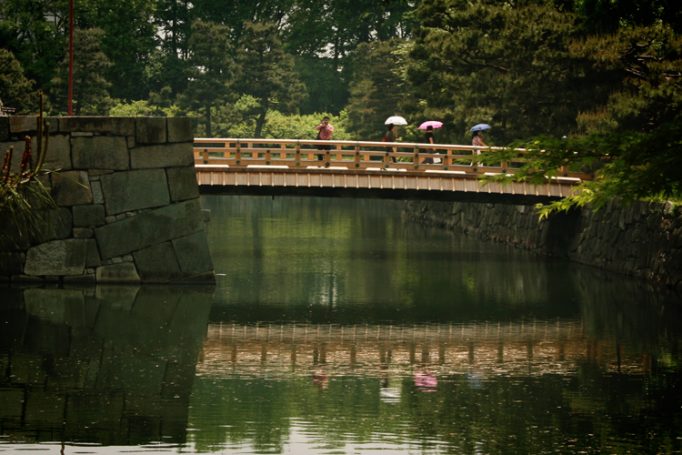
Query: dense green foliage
<point x="603" y="75"/>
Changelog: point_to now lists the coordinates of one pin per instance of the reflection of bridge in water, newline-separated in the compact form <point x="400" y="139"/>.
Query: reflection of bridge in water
<point x="519" y="348"/>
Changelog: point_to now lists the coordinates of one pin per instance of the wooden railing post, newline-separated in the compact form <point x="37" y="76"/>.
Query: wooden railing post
<point x="357" y="158"/>
<point x="267" y="157"/>
<point x="339" y="153"/>
<point x="504" y="165"/>
<point x="415" y="158"/>
<point x="238" y="154"/>
<point x="297" y="155"/>
<point x="255" y="154"/>
<point x="204" y="155"/>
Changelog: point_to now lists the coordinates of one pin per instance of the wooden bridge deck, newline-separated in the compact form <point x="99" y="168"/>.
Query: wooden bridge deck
<point x="298" y="166"/>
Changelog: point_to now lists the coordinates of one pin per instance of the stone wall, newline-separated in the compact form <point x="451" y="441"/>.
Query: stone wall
<point x="127" y="203"/>
<point x="640" y="239"/>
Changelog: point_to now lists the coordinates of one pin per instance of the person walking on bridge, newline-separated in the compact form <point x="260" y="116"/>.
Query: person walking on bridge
<point x="477" y="139"/>
<point x="390" y="136"/>
<point x="324" y="133"/>
<point x="428" y="138"/>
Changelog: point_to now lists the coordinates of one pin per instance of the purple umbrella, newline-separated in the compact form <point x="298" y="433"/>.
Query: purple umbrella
<point x="431" y="123"/>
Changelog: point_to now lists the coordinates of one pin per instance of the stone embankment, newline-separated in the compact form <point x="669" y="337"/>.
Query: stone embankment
<point x="639" y="239"/>
<point x="127" y="204"/>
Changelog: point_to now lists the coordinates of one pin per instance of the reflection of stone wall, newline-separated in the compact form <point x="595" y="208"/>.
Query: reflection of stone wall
<point x="641" y="239"/>
<point x="127" y="203"/>
<point x="112" y="365"/>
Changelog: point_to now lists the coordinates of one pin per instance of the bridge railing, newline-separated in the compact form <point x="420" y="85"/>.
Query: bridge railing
<point x="356" y="155"/>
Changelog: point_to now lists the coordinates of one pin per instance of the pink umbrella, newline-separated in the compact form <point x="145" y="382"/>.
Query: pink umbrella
<point x="432" y="123"/>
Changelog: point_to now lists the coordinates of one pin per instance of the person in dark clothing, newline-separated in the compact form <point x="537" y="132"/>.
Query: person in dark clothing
<point x="428" y="138"/>
<point x="389" y="136"/>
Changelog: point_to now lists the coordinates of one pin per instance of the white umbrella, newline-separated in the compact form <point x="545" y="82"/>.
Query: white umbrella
<point x="395" y="120"/>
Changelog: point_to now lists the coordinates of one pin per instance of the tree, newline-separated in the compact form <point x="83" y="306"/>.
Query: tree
<point x="506" y="65"/>
<point x="300" y="126"/>
<point x="211" y="69"/>
<point x="377" y="88"/>
<point x="35" y="32"/>
<point x="16" y="91"/>
<point x="606" y="17"/>
<point x="267" y="72"/>
<point x="129" y="41"/>
<point x="636" y="136"/>
<point x="90" y="87"/>
<point x="323" y="35"/>
<point x="173" y="22"/>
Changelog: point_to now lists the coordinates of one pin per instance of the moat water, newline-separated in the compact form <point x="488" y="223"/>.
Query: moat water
<point x="338" y="327"/>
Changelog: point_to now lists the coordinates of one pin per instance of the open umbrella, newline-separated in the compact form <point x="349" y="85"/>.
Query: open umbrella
<point x="395" y="120"/>
<point x="480" y="127"/>
<point x="431" y="123"/>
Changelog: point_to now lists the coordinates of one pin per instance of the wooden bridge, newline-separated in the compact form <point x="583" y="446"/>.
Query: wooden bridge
<point x="374" y="169"/>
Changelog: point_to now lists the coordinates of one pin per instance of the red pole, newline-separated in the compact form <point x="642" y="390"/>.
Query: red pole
<point x="69" y="100"/>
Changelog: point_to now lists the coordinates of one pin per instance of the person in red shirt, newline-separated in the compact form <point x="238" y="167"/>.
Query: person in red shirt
<point x="324" y="133"/>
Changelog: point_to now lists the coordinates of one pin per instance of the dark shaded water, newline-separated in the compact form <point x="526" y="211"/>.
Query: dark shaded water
<point x="336" y="327"/>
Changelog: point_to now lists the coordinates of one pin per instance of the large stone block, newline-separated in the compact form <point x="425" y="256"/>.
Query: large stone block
<point x="182" y="182"/>
<point x="157" y="263"/>
<point x="99" y="152"/>
<point x="4" y="128"/>
<point x="71" y="188"/>
<point x="58" y="154"/>
<point x="92" y="258"/>
<point x="18" y="150"/>
<point x="23" y="124"/>
<point x="180" y="129"/>
<point x="44" y="225"/>
<point x="119" y="126"/>
<point x="150" y="130"/>
<point x="134" y="190"/>
<point x="52" y="224"/>
<point x="149" y="228"/>
<point x="97" y="196"/>
<point x="157" y="156"/>
<point x="118" y="273"/>
<point x="193" y="254"/>
<point x="57" y="258"/>
<point x="91" y="215"/>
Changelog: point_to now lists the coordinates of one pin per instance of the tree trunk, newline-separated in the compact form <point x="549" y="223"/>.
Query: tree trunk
<point x="208" y="120"/>
<point x="260" y="122"/>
